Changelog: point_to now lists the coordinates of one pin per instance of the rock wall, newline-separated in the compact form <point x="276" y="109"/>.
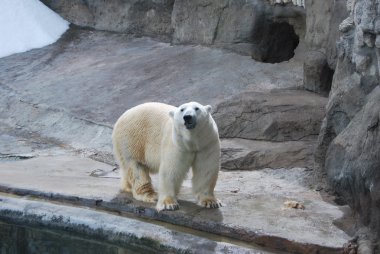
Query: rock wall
<point x="266" y="30"/>
<point x="139" y="17"/>
<point x="349" y="141"/>
<point x="322" y="22"/>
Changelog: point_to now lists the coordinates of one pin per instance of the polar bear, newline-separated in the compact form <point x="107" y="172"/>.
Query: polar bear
<point x="156" y="137"/>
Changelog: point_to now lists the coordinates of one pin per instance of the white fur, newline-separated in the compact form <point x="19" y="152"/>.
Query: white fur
<point x="169" y="148"/>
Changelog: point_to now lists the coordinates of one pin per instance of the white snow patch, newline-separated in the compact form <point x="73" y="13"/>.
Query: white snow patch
<point x="28" y="24"/>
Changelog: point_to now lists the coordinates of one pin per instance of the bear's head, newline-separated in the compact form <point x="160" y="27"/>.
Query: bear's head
<point x="191" y="114"/>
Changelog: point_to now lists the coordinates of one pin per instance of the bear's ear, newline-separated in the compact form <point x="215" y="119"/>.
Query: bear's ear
<point x="208" y="108"/>
<point x="171" y="114"/>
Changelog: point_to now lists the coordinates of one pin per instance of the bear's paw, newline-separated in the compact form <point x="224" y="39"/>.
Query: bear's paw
<point x="210" y="202"/>
<point x="167" y="203"/>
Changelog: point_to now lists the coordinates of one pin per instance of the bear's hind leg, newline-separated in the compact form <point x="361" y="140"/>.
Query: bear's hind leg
<point x="125" y="169"/>
<point x="126" y="177"/>
<point x="142" y="188"/>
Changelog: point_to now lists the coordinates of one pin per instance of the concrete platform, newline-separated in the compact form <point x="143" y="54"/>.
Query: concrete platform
<point x="254" y="208"/>
<point x="135" y="236"/>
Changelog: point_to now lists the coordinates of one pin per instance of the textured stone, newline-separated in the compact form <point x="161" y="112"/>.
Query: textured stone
<point x="359" y="37"/>
<point x="196" y="21"/>
<point x="322" y="32"/>
<point x="60" y="100"/>
<point x="353" y="162"/>
<point x="361" y="62"/>
<point x="322" y="26"/>
<point x="346" y="25"/>
<point x="275" y="116"/>
<point x="249" y="27"/>
<point x="233" y="24"/>
<point x="300" y="3"/>
<point x="377" y="42"/>
<point x="369" y="40"/>
<point x="243" y="154"/>
<point x="377" y="26"/>
<point x="317" y="76"/>
<point x="348" y="142"/>
<point x="139" y="17"/>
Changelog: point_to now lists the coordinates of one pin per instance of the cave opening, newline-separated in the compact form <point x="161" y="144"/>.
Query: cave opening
<point x="276" y="42"/>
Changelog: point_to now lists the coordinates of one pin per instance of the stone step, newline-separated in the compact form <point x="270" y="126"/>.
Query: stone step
<point x="279" y="115"/>
<point x="244" y="154"/>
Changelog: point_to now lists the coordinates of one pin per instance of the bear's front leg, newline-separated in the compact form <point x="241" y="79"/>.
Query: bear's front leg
<point x="205" y="173"/>
<point x="171" y="175"/>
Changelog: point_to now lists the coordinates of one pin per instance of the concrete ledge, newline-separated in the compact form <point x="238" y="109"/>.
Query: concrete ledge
<point x="143" y="236"/>
<point x="253" y="213"/>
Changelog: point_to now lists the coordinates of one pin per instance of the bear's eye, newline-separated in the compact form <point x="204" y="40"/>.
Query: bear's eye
<point x="196" y="109"/>
<point x="182" y="109"/>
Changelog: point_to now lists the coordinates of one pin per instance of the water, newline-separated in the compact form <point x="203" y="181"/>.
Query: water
<point x="16" y="239"/>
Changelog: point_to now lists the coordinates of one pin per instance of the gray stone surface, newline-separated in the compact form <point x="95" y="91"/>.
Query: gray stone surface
<point x="197" y="21"/>
<point x="234" y="24"/>
<point x="317" y="75"/>
<point x="249" y="27"/>
<point x="244" y="154"/>
<point x="275" y="116"/>
<point x="71" y="74"/>
<point x="138" y="17"/>
<point x="322" y="27"/>
<point x="322" y="33"/>
<point x="144" y="237"/>
<point x="69" y="94"/>
<point x="353" y="163"/>
<point x="254" y="202"/>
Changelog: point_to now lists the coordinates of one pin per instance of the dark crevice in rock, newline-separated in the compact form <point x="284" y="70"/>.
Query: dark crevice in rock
<point x="14" y="157"/>
<point x="277" y="42"/>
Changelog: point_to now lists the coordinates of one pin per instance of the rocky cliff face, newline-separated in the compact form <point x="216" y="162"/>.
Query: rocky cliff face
<point x="269" y="31"/>
<point x="349" y="144"/>
<point x="139" y="17"/>
<point x="322" y="21"/>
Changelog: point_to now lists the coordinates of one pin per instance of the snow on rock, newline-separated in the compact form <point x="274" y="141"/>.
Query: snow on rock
<point x="28" y="24"/>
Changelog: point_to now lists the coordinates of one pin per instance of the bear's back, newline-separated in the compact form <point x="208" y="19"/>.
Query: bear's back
<point x="138" y="132"/>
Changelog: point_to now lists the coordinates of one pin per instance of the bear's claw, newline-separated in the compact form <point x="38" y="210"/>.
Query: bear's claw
<point x="168" y="204"/>
<point x="210" y="203"/>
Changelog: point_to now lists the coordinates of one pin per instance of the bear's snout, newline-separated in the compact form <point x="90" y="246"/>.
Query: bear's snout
<point x="190" y="121"/>
<point x="187" y="118"/>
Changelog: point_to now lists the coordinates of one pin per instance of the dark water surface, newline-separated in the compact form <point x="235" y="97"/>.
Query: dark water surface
<point x="16" y="239"/>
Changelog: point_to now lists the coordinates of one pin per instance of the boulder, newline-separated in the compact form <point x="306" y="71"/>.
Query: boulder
<point x="243" y="154"/>
<point x="282" y="115"/>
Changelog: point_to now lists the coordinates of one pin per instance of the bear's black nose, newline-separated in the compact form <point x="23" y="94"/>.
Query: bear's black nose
<point x="187" y="118"/>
